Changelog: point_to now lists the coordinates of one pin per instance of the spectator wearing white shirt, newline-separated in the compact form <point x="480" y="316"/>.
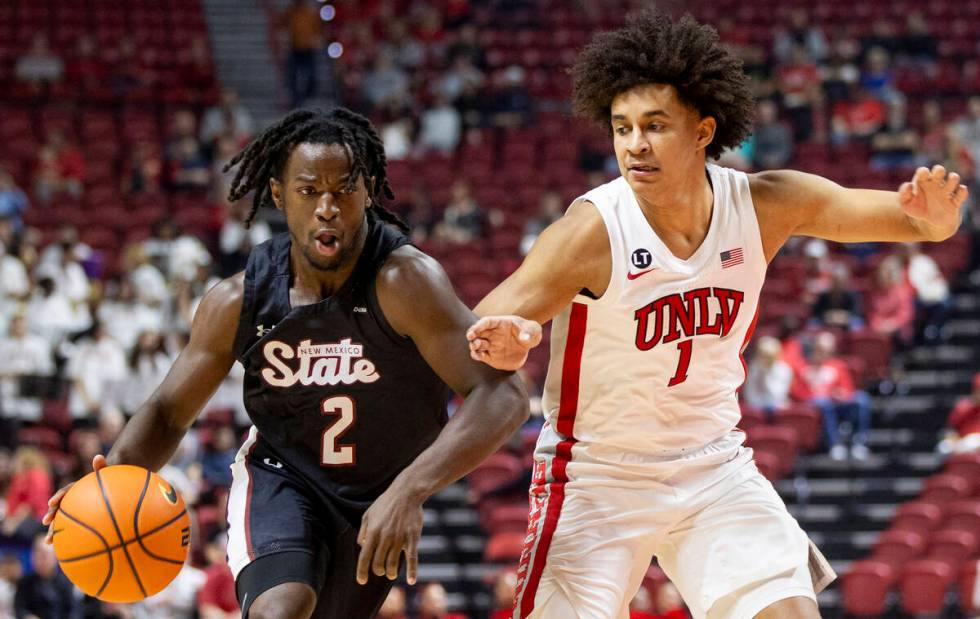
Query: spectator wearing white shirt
<point x="50" y="313"/>
<point x="96" y="368"/>
<point x="14" y="285"/>
<point x="236" y="241"/>
<point x="149" y="363"/>
<point x="769" y="380"/>
<point x="442" y="127"/>
<point x="933" y="300"/>
<point x="178" y="600"/>
<point x="22" y="354"/>
<point x="125" y="316"/>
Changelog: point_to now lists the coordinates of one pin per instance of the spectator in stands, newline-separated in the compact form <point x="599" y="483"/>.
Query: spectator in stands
<point x="550" y="209"/>
<point x="918" y="45"/>
<point x="217" y="599"/>
<point x="896" y="144"/>
<point x="419" y="213"/>
<point x="23" y="356"/>
<point x="45" y="592"/>
<point x="933" y="299"/>
<point x="932" y="146"/>
<point x="877" y="77"/>
<point x="386" y="82"/>
<point x="86" y="71"/>
<point x="967" y="129"/>
<point x="14" y="283"/>
<point x="773" y="142"/>
<point x="857" y="118"/>
<point x="40" y="67"/>
<point x="891" y="306"/>
<point x="468" y="44"/>
<point x="175" y="254"/>
<point x="10" y="573"/>
<point x="235" y="241"/>
<point x="803" y="33"/>
<point x="670" y="605"/>
<point x="188" y="167"/>
<point x="195" y="68"/>
<point x="60" y="168"/>
<point x="399" y="44"/>
<point x="132" y="72"/>
<point x="461" y="77"/>
<point x="463" y="219"/>
<point x="513" y="105"/>
<point x="218" y="457"/>
<point x="799" y="82"/>
<point x="228" y="118"/>
<point x="394" y="605"/>
<point x="27" y="495"/>
<point x="434" y="603"/>
<point x="641" y="606"/>
<point x="396" y="128"/>
<point x="65" y="270"/>
<point x="963" y="435"/>
<point x="225" y="148"/>
<point x="179" y="599"/>
<point x="50" y="313"/>
<point x="96" y="368"/>
<point x="769" y="379"/>
<point x="504" y="592"/>
<point x="125" y="315"/>
<point x="819" y="268"/>
<point x="839" y="305"/>
<point x="839" y="72"/>
<point x="13" y="200"/>
<point x="143" y="172"/>
<point x="301" y="21"/>
<point x="826" y="382"/>
<point x="441" y="127"/>
<point x="84" y="444"/>
<point x="148" y="364"/>
<point x="430" y="30"/>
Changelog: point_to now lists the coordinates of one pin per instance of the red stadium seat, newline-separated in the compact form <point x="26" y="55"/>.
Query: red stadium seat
<point x="946" y="487"/>
<point x="508" y="518"/>
<point x="874" y="348"/>
<point x="966" y="465"/>
<point x="498" y="469"/>
<point x="768" y="464"/>
<point x="953" y="546"/>
<point x="923" y="585"/>
<point x="917" y="516"/>
<point x="969" y="588"/>
<point x="963" y="516"/>
<point x="504" y="547"/>
<point x="897" y="546"/>
<point x="806" y="421"/>
<point x="778" y="440"/>
<point x="865" y="586"/>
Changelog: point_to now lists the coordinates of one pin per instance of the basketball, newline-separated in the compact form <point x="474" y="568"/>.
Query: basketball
<point x="121" y="533"/>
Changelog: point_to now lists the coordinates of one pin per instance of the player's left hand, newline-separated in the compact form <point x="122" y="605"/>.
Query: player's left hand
<point x="392" y="525"/>
<point x="933" y="200"/>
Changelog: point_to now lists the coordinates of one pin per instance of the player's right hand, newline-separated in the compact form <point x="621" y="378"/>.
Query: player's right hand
<point x="503" y="342"/>
<point x="98" y="462"/>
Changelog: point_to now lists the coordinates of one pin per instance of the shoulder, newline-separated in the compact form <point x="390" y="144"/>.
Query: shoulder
<point x="221" y="307"/>
<point x="409" y="266"/>
<point x="414" y="290"/>
<point x="581" y="229"/>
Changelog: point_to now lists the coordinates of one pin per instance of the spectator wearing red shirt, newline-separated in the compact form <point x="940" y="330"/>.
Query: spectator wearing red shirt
<point x="826" y="383"/>
<point x="964" y="423"/>
<point x="891" y="305"/>
<point x="60" y="168"/>
<point x="86" y="70"/>
<point x="504" y="590"/>
<point x="434" y="604"/>
<point x="799" y="81"/>
<point x="27" y="495"/>
<point x="217" y="598"/>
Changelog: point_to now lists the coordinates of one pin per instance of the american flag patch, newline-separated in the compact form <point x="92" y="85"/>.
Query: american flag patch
<point x="732" y="257"/>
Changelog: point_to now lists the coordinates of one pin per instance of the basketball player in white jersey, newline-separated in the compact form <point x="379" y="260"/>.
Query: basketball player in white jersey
<point x="652" y="281"/>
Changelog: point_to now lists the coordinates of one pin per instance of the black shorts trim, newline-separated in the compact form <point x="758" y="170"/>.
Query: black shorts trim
<point x="271" y="570"/>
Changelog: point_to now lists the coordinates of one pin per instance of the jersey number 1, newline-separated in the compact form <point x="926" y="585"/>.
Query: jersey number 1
<point x="332" y="454"/>
<point x="683" y="363"/>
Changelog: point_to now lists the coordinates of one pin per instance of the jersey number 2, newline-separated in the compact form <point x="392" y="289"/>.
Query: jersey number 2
<point x="332" y="454"/>
<point x="683" y="363"/>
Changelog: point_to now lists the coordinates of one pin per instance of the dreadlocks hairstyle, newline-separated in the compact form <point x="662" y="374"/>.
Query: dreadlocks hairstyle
<point x="265" y="157"/>
<point x="653" y="49"/>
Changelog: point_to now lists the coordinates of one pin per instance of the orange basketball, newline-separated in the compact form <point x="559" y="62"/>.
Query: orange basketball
<point x="121" y="533"/>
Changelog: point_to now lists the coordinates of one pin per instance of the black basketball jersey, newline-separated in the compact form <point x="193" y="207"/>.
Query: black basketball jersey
<point x="334" y="392"/>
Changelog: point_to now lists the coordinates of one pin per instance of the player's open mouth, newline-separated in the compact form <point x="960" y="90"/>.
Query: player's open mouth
<point x="327" y="244"/>
<point x="641" y="170"/>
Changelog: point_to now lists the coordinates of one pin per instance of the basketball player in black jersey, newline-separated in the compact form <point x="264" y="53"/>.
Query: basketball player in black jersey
<point x="349" y="337"/>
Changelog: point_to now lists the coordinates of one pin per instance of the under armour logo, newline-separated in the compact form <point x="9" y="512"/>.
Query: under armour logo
<point x="262" y="330"/>
<point x="273" y="463"/>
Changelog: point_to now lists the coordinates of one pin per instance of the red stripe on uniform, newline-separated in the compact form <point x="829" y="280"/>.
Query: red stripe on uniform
<point x="571" y="370"/>
<point x="745" y="343"/>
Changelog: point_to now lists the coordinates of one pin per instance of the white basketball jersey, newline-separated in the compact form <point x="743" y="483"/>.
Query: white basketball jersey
<point x="653" y="365"/>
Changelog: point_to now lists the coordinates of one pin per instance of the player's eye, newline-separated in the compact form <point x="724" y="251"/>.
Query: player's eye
<point x="621" y="130"/>
<point x="307" y="191"/>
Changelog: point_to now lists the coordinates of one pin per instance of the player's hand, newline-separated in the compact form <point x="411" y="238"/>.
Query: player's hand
<point x="98" y="462"/>
<point x="503" y="342"/>
<point x="933" y="200"/>
<point x="392" y="525"/>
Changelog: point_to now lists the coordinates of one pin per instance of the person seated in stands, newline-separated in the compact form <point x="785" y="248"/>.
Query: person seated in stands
<point x="394" y="605"/>
<point x="463" y="220"/>
<point x="45" y="591"/>
<point x="839" y="306"/>
<point x="963" y="433"/>
<point x="40" y="67"/>
<point x="434" y="603"/>
<point x="896" y="144"/>
<point x="933" y="299"/>
<point x="669" y="604"/>
<point x="891" y="304"/>
<point x="24" y="357"/>
<point x="27" y="495"/>
<point x="826" y="382"/>
<point x="770" y="378"/>
<point x="504" y="592"/>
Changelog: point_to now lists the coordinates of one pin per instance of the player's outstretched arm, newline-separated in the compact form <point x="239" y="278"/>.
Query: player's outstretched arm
<point x="571" y="254"/>
<point x="926" y="208"/>
<point x="152" y="435"/>
<point x="418" y="301"/>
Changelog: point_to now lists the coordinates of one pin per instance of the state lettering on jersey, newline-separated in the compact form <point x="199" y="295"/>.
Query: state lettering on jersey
<point x="702" y="311"/>
<point x="317" y="364"/>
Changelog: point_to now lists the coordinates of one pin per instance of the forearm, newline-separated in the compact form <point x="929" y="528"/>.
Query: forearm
<point x="149" y="439"/>
<point x="491" y="413"/>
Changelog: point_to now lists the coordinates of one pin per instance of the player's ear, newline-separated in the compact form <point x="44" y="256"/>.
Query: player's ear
<point x="275" y="188"/>
<point x="706" y="131"/>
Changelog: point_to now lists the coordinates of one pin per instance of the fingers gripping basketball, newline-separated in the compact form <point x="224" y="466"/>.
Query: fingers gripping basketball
<point x="121" y="533"/>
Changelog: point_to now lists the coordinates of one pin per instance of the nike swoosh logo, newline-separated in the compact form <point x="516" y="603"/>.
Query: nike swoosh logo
<point x="169" y="493"/>
<point x="632" y="276"/>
